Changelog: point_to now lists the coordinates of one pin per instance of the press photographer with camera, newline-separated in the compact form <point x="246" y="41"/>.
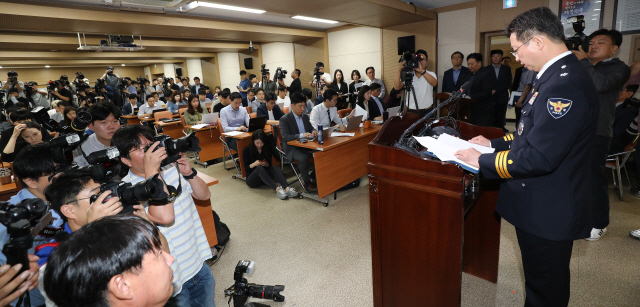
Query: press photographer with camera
<point x="127" y="268"/>
<point x="12" y="97"/>
<point x="193" y="280"/>
<point x="105" y="121"/>
<point x="609" y="75"/>
<point x="320" y="78"/>
<point x="38" y="98"/>
<point x="13" y="82"/>
<point x="159" y="87"/>
<point x="295" y="86"/>
<point x="61" y="92"/>
<point x="422" y="80"/>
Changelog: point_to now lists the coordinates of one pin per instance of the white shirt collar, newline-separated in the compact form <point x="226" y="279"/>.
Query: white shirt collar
<point x="558" y="57"/>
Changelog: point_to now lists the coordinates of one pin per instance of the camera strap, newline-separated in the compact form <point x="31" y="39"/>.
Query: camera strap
<point x="174" y="192"/>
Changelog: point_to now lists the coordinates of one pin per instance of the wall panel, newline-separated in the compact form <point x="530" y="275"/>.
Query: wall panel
<point x="229" y="68"/>
<point x="355" y="48"/>
<point x="307" y="54"/>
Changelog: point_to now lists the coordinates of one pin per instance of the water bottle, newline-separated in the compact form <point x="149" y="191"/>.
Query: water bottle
<point x="320" y="141"/>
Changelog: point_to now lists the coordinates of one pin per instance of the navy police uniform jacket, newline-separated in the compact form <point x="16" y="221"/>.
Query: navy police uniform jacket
<point x="547" y="190"/>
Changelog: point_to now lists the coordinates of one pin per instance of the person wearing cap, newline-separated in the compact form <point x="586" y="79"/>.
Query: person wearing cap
<point x="500" y="93"/>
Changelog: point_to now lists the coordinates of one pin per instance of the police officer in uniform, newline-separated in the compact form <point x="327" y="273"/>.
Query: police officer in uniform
<point x="539" y="163"/>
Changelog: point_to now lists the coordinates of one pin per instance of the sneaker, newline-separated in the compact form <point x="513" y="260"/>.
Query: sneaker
<point x="635" y="234"/>
<point x="635" y="191"/>
<point x="596" y="234"/>
<point x="281" y="194"/>
<point x="292" y="192"/>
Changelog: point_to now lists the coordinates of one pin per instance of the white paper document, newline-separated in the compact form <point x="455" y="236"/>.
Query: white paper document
<point x="361" y="111"/>
<point x="342" y="134"/>
<point x="446" y="145"/>
<point x="200" y="126"/>
<point x="233" y="133"/>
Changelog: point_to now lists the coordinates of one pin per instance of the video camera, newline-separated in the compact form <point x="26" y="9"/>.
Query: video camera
<point x="264" y="70"/>
<point x="123" y="83"/>
<point x="410" y="63"/>
<point x="280" y="74"/>
<point x="175" y="147"/>
<point x="142" y="81"/>
<point x="24" y="221"/>
<point x="241" y="290"/>
<point x="13" y="76"/>
<point x="64" y="80"/>
<point x="29" y="89"/>
<point x="317" y="73"/>
<point x="52" y="85"/>
<point x="578" y="39"/>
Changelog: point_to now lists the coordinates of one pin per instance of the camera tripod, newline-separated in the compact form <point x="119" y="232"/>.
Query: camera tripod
<point x="407" y="92"/>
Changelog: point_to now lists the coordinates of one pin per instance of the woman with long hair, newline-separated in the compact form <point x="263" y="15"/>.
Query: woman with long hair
<point x="173" y="101"/>
<point x="257" y="163"/>
<point x="24" y="134"/>
<point x="355" y="76"/>
<point x="194" y="112"/>
<point x="341" y="88"/>
<point x="69" y="115"/>
<point x="366" y="102"/>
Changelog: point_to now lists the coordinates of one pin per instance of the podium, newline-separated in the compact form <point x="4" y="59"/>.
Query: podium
<point x="430" y="221"/>
<point x="461" y="112"/>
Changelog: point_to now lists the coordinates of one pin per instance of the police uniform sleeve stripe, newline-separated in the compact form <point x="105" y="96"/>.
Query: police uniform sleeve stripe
<point x="498" y="168"/>
<point x="505" y="164"/>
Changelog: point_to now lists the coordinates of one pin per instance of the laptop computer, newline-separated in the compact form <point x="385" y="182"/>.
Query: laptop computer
<point x="354" y="123"/>
<point x="393" y="111"/>
<point x="325" y="134"/>
<point x="257" y="123"/>
<point x="210" y="118"/>
<point x="158" y="110"/>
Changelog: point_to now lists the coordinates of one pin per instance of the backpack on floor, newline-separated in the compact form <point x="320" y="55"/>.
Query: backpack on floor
<point x="222" y="230"/>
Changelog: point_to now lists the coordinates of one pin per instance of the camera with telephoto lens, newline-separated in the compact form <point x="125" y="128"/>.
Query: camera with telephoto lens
<point x="280" y="74"/>
<point x="241" y="290"/>
<point x="29" y="89"/>
<point x="79" y="124"/>
<point x="175" y="147"/>
<point x="264" y="70"/>
<point x="149" y="190"/>
<point x="578" y="39"/>
<point x="103" y="164"/>
<point x="24" y="221"/>
<point x="123" y="83"/>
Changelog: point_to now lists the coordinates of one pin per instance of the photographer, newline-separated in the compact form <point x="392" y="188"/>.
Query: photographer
<point x="127" y="268"/>
<point x="193" y="280"/>
<point x="159" y="87"/>
<point x="423" y="83"/>
<point x="145" y="90"/>
<point x="12" y="97"/>
<point x="105" y="120"/>
<point x="609" y="75"/>
<point x="61" y="92"/>
<point x="295" y="86"/>
<point x="12" y="82"/>
<point x="325" y="78"/>
<point x="111" y="78"/>
<point x="271" y="85"/>
<point x="38" y="98"/>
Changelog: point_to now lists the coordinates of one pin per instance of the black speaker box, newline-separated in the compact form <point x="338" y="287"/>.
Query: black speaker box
<point x="179" y="72"/>
<point x="248" y="63"/>
<point x="406" y="43"/>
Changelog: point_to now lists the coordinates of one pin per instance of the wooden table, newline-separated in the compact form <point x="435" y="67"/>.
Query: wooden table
<point x="243" y="140"/>
<point x="8" y="190"/>
<point x="340" y="160"/>
<point x="210" y="143"/>
<point x="172" y="129"/>
<point x="132" y="119"/>
<point x="205" y="212"/>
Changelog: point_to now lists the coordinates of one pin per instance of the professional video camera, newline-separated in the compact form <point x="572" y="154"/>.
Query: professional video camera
<point x="142" y="81"/>
<point x="123" y="83"/>
<point x="175" y="147"/>
<point x="410" y="62"/>
<point x="317" y="73"/>
<point x="65" y="80"/>
<point x="264" y="70"/>
<point x="241" y="290"/>
<point x="79" y="124"/>
<point x="29" y="89"/>
<point x="151" y="190"/>
<point x="578" y="39"/>
<point x="79" y="76"/>
<point x="24" y="221"/>
<point x="13" y="76"/>
<point x="280" y="74"/>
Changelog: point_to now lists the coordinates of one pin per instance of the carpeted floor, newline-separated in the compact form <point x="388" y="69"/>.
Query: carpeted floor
<point x="323" y="254"/>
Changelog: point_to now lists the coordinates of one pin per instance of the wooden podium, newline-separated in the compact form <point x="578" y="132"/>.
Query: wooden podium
<point x="427" y="225"/>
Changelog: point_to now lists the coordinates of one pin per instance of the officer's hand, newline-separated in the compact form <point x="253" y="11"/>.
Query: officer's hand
<point x="580" y="54"/>
<point x="480" y="140"/>
<point x="98" y="209"/>
<point x="469" y="156"/>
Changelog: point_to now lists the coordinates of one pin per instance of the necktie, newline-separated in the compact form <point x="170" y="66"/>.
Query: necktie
<point x="329" y="114"/>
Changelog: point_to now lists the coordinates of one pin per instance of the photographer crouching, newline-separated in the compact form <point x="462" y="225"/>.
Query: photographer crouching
<point x="609" y="75"/>
<point x="413" y="72"/>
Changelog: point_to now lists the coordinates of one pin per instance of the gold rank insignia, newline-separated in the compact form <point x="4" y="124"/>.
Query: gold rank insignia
<point x="501" y="164"/>
<point x="508" y="137"/>
<point x="558" y="107"/>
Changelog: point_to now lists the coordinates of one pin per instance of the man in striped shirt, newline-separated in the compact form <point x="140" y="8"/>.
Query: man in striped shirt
<point x="178" y="221"/>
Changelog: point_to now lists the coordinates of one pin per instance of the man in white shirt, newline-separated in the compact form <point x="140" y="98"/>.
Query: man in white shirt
<point x="282" y="96"/>
<point x="325" y="78"/>
<point x="326" y="113"/>
<point x="147" y="109"/>
<point x="423" y="83"/>
<point x="371" y="73"/>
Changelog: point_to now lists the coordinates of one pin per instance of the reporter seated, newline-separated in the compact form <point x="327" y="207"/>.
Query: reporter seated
<point x="282" y="97"/>
<point x="257" y="163"/>
<point x="146" y="110"/>
<point x="320" y="98"/>
<point x="32" y="168"/>
<point x="293" y="126"/>
<point x="194" y="112"/>
<point x="308" y="95"/>
<point x="56" y="105"/>
<point x="127" y="267"/>
<point x="202" y="96"/>
<point x="270" y="109"/>
<point x="32" y="134"/>
<point x="326" y="113"/>
<point x="234" y="118"/>
<point x="18" y="117"/>
<point x="105" y="120"/>
<point x="225" y="100"/>
<point x="368" y="104"/>
<point x="174" y="101"/>
<point x="132" y="100"/>
<point x="625" y="123"/>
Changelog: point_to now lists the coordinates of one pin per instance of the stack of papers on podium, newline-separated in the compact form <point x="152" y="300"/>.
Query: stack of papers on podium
<point x="446" y="145"/>
<point x="233" y="133"/>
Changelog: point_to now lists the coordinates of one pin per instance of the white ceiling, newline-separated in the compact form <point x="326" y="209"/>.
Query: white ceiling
<point x="432" y="4"/>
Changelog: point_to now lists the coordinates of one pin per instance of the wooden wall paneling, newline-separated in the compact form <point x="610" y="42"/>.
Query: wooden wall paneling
<point x="306" y="55"/>
<point x="211" y="73"/>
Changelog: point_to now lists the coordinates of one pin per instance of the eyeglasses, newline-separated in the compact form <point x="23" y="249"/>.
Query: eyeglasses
<point x="515" y="52"/>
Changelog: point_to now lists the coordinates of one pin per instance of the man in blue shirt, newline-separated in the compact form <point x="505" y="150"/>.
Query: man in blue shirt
<point x="245" y="84"/>
<point x="234" y="118"/>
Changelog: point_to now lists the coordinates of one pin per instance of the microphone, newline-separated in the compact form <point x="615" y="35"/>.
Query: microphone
<point x="465" y="87"/>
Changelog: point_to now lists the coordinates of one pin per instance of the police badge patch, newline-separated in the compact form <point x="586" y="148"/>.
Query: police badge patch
<point x="558" y="107"/>
<point x="520" y="127"/>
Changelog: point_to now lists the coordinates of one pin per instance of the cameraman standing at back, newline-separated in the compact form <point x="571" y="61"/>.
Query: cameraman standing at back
<point x="325" y="78"/>
<point x="609" y="74"/>
<point x="111" y="79"/>
<point x="12" y="81"/>
<point x="295" y="86"/>
<point x="423" y="83"/>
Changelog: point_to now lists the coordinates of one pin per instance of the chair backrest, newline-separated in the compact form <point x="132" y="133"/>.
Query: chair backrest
<point x="344" y="112"/>
<point x="184" y="124"/>
<point x="248" y="109"/>
<point x="253" y="115"/>
<point x="182" y="106"/>
<point x="275" y="130"/>
<point x="208" y="105"/>
<point x="219" y="124"/>
<point x="164" y="114"/>
<point x="285" y="110"/>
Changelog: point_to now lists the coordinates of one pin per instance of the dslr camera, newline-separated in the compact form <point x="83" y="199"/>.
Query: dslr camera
<point x="280" y="74"/>
<point x="79" y="124"/>
<point x="578" y="39"/>
<point x="175" y="147"/>
<point x="24" y="221"/>
<point x="110" y="70"/>
<point x="29" y="89"/>
<point x="150" y="190"/>
<point x="241" y="290"/>
<point x="13" y="76"/>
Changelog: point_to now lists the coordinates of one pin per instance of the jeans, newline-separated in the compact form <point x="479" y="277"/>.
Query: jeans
<point x="199" y="291"/>
<point x="261" y="175"/>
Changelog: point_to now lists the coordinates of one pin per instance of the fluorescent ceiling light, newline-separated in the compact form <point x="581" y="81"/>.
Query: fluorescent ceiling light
<point x="122" y="65"/>
<point x="229" y="7"/>
<point x="314" y="19"/>
<point x="47" y="66"/>
<point x="0" y="66"/>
